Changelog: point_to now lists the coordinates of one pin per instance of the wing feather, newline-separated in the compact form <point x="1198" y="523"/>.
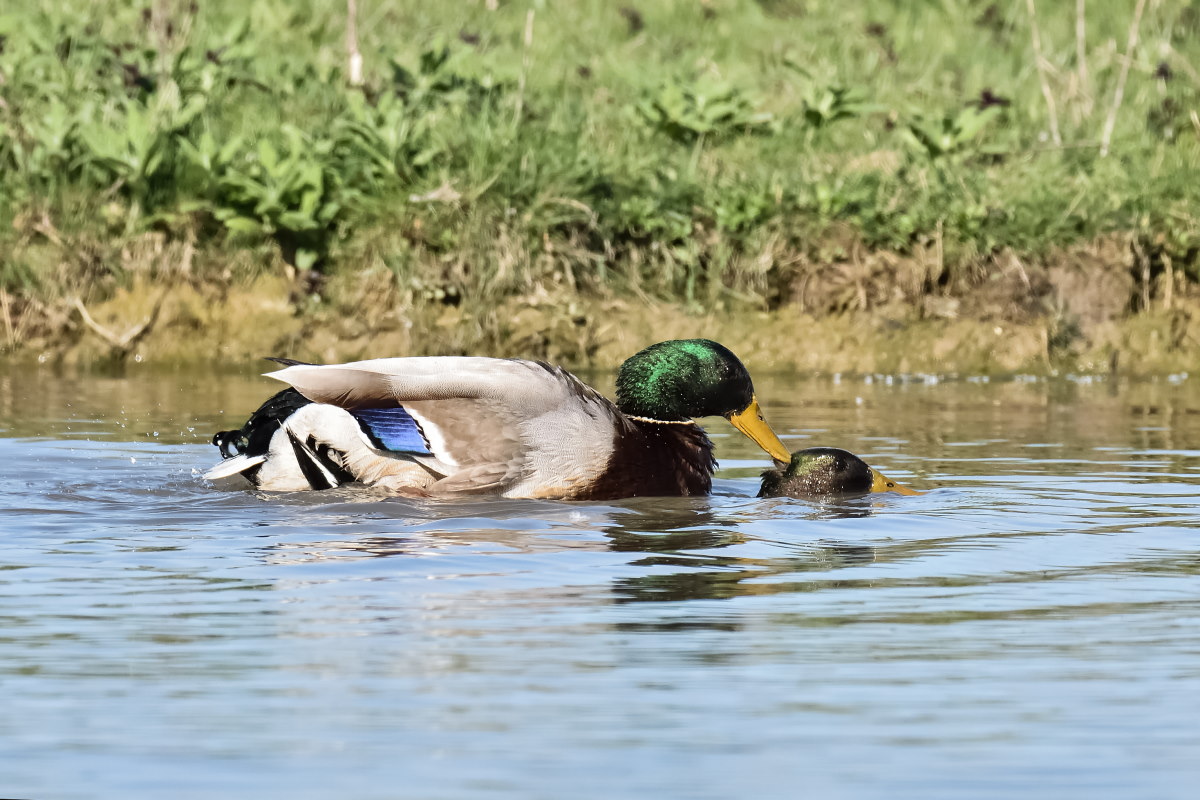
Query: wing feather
<point x="495" y="423"/>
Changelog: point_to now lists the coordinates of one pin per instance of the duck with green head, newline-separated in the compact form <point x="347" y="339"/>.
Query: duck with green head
<point x="447" y="426"/>
<point x="827" y="473"/>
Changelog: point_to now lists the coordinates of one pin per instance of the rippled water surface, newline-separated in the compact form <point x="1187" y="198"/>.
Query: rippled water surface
<point x="1031" y="627"/>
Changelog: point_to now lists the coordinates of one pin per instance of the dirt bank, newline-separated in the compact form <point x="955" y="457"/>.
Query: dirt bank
<point x="1109" y="305"/>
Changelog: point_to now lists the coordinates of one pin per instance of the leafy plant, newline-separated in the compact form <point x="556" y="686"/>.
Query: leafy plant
<point x="645" y="217"/>
<point x="824" y="105"/>
<point x="442" y="78"/>
<point x="41" y="150"/>
<point x="743" y="209"/>
<point x="206" y="160"/>
<point x="287" y="191"/>
<point x="133" y="147"/>
<point x="703" y="108"/>
<point x="113" y="116"/>
<point x="946" y="134"/>
<point x="384" y="142"/>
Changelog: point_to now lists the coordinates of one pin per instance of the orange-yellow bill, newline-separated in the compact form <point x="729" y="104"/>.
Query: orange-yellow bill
<point x="882" y="483"/>
<point x="750" y="422"/>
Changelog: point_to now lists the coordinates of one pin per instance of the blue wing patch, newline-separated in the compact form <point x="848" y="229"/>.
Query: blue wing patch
<point x="392" y="429"/>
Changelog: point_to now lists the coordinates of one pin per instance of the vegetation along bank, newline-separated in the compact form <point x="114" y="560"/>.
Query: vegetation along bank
<point x="957" y="186"/>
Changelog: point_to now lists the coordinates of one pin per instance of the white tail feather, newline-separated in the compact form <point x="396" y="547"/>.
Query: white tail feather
<point x="233" y="466"/>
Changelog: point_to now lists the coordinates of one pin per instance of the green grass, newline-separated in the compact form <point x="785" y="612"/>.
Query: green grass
<point x="687" y="151"/>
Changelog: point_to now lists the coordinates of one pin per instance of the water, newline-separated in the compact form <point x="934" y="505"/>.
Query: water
<point x="1031" y="627"/>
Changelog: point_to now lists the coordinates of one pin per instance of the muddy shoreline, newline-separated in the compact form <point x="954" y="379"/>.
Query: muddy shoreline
<point x="190" y="331"/>
<point x="1103" y="308"/>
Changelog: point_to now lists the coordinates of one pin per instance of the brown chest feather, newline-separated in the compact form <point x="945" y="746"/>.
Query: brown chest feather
<point x="652" y="459"/>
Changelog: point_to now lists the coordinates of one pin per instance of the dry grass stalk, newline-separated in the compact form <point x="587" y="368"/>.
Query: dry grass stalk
<point x="525" y="59"/>
<point x="1042" y="72"/>
<point x="1168" y="278"/>
<point x="1142" y="259"/>
<point x="8" y="326"/>
<point x="1081" y="54"/>
<point x="1119" y="94"/>
<point x="355" y="57"/>
<point x="125" y="342"/>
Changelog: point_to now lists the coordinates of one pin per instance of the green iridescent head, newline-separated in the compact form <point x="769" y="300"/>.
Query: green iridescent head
<point x="682" y="379"/>
<point x="821" y="473"/>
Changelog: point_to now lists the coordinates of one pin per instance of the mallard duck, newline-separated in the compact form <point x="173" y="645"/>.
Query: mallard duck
<point x="446" y="426"/>
<point x="824" y="473"/>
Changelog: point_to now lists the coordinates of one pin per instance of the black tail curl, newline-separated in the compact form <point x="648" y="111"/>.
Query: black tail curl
<point x="254" y="438"/>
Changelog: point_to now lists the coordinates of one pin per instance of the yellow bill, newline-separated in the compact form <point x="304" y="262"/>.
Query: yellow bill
<point x="750" y="422"/>
<point x="882" y="483"/>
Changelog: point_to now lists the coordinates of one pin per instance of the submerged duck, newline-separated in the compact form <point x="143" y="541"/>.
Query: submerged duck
<point x="827" y="473"/>
<point x="445" y="426"/>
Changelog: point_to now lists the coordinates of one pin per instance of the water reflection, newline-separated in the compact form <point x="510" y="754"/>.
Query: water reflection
<point x="715" y="577"/>
<point x="692" y="535"/>
<point x="685" y="536"/>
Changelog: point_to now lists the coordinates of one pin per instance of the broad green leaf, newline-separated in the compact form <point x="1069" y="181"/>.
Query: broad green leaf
<point x="243" y="225"/>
